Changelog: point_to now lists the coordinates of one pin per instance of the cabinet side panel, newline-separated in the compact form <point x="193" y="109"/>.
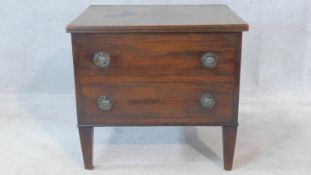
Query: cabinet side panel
<point x="236" y="86"/>
<point x="75" y="54"/>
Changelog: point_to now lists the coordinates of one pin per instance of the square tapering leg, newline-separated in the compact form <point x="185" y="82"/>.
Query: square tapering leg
<point x="86" y="139"/>
<point x="229" y="139"/>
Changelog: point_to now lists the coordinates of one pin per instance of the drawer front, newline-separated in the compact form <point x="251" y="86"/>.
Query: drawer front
<point x="145" y="58"/>
<point x="157" y="104"/>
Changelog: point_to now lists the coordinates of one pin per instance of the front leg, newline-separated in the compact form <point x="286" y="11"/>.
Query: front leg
<point x="86" y="139"/>
<point x="229" y="139"/>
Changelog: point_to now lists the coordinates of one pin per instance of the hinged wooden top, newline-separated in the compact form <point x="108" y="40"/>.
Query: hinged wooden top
<point x="157" y="18"/>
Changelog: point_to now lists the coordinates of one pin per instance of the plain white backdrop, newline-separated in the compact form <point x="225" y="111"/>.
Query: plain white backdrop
<point x="37" y="107"/>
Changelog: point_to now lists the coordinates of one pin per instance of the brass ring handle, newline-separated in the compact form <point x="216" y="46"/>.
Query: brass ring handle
<point x="209" y="60"/>
<point x="104" y="103"/>
<point x="102" y="59"/>
<point x="207" y="101"/>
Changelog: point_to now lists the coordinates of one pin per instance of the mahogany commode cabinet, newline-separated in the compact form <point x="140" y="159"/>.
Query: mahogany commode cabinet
<point x="142" y="65"/>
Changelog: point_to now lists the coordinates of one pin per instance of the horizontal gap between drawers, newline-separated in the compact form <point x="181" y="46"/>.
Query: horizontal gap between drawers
<point x="150" y="83"/>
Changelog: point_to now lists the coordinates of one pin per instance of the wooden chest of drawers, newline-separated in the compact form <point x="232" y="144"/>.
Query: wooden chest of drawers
<point x="157" y="65"/>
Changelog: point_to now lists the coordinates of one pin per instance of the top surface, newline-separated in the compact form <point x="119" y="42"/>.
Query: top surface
<point x="144" y="18"/>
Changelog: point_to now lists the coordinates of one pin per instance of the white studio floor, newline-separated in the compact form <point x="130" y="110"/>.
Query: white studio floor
<point x="38" y="135"/>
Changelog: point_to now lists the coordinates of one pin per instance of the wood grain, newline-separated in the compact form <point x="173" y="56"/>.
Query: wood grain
<point x="157" y="104"/>
<point x="156" y="76"/>
<point x="157" y="18"/>
<point x="157" y="57"/>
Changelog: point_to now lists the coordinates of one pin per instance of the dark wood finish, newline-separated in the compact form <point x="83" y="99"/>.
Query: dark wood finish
<point x="86" y="139"/>
<point x="156" y="76"/>
<point x="157" y="18"/>
<point x="237" y="71"/>
<point x="229" y="139"/>
<point x="157" y="104"/>
<point x="157" y="57"/>
<point x="75" y="54"/>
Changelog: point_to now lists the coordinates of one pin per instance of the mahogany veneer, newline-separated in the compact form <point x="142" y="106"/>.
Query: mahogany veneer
<point x="157" y="65"/>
